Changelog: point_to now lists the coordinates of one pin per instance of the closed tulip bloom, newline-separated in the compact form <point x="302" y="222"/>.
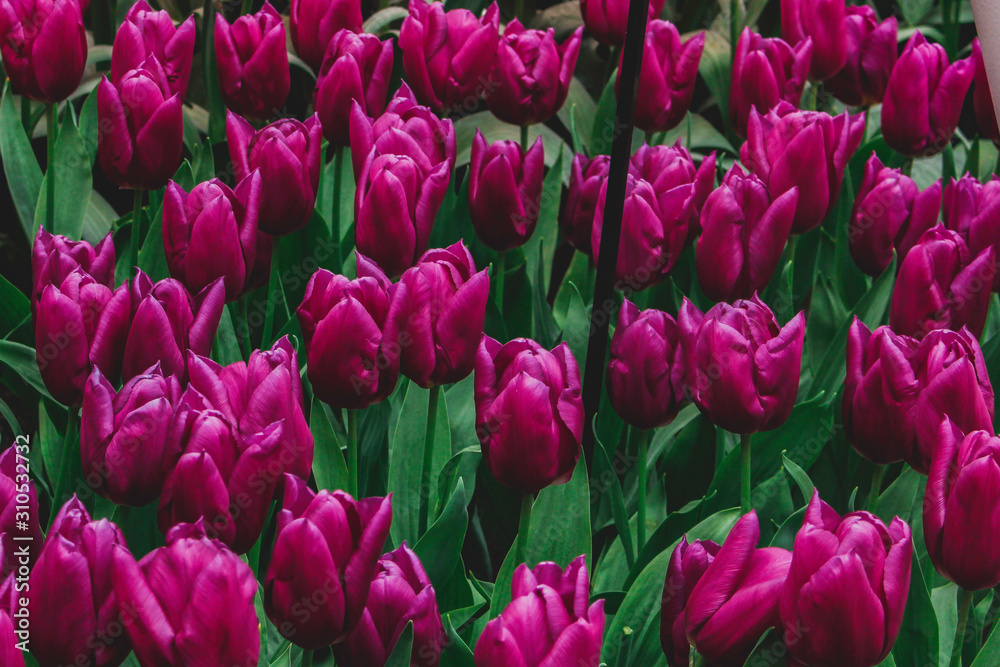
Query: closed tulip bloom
<point x="439" y="311"/>
<point x="75" y="612"/>
<point x="54" y="257"/>
<point x="688" y="563"/>
<point x="44" y="46"/>
<point x="10" y="488"/>
<point x="123" y="435"/>
<point x="823" y="21"/>
<point x="982" y="100"/>
<point x="923" y="99"/>
<point x="743" y="235"/>
<point x="505" y="191"/>
<point x="548" y="623"/>
<point x="193" y="602"/>
<point x="531" y="74"/>
<point x="253" y="63"/>
<point x="739" y="361"/>
<point x="871" y="56"/>
<point x="587" y="175"/>
<point x="313" y="23"/>
<point x="353" y="360"/>
<point x="805" y="149"/>
<point x="529" y="412"/>
<point x="448" y="55"/>
<point x="10" y="654"/>
<point x="356" y="69"/>
<point x="766" y="72"/>
<point x="400" y="593"/>
<point x="606" y="20"/>
<point x="972" y="209"/>
<point x="667" y="77"/>
<point x="842" y="605"/>
<point x="890" y="214"/>
<point x="646" y="371"/>
<point x="146" y="33"/>
<point x="326" y="552"/>
<point x="735" y="600"/>
<point x="287" y="154"/>
<point x="942" y="285"/>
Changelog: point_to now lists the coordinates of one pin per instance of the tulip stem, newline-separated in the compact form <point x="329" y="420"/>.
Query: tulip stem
<point x="640" y="516"/>
<point x="134" y="241"/>
<point x="524" y="138"/>
<point x="247" y="9"/>
<point x="964" y="605"/>
<point x="500" y="268"/>
<point x="307" y="658"/>
<point x="273" y="294"/>
<point x="243" y="326"/>
<point x="523" y="527"/>
<point x="425" y="477"/>
<point x="353" y="474"/>
<point x="338" y="170"/>
<point x="734" y="27"/>
<point x="51" y="131"/>
<point x="876" y="489"/>
<point x="70" y="454"/>
<point x="519" y="10"/>
<point x="745" y="473"/>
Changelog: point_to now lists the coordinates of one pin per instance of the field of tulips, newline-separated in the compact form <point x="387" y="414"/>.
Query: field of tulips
<point x="527" y="333"/>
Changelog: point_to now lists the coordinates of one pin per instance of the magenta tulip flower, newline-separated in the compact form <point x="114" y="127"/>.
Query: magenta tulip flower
<point x="54" y="257"/>
<point x="44" y="46"/>
<point x="972" y="209"/>
<point x="606" y="20"/>
<point x="18" y="499"/>
<point x="253" y="63"/>
<point x="146" y="33"/>
<point x="688" y="563"/>
<point x="982" y="100"/>
<point x="842" y="605"/>
<point x="327" y="542"/>
<point x="823" y="21"/>
<point x="313" y="23"/>
<point x="766" y="72"/>
<point x="871" y="56"/>
<point x="587" y="175"/>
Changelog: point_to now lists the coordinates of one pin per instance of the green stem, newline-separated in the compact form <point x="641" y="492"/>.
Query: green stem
<point x="524" y="138"/>
<point x="353" y="474"/>
<point x="523" y="527"/>
<point x="500" y="268"/>
<point x="135" y="241"/>
<point x="51" y="131"/>
<point x="338" y="171"/>
<point x="907" y="167"/>
<point x="247" y="7"/>
<point x="964" y="605"/>
<point x="519" y="10"/>
<point x="307" y="659"/>
<point x="640" y="518"/>
<point x="244" y="321"/>
<point x="734" y="27"/>
<point x="29" y="127"/>
<point x="273" y="293"/>
<point x="745" y="473"/>
<point x="425" y="477"/>
<point x="649" y="138"/>
<point x="70" y="455"/>
<point x="876" y="489"/>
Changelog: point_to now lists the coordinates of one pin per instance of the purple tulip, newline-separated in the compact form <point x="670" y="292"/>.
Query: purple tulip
<point x="941" y="285"/>
<point x="75" y="613"/>
<point x="587" y="175"/>
<point x="326" y="552"/>
<point x="253" y="63"/>
<point x="448" y="55"/>
<point x="529" y="412"/>
<point x="646" y="371"/>
<point x="313" y="23"/>
<point x="688" y="563"/>
<point x="923" y="98"/>
<point x="438" y="313"/>
<point x="823" y="21"/>
<point x="18" y="498"/>
<point x="192" y="602"/>
<point x="353" y="361"/>
<point x="548" y="623"/>
<point x="842" y="605"/>
<point x="44" y="46"/>
<point x="142" y="127"/>
<point x="667" y="77"/>
<point x="146" y="33"/>
<point x="505" y="191"/>
<point x="287" y="154"/>
<point x="400" y="593"/>
<point x="739" y="361"/>
<point x="605" y="20"/>
<point x="743" y="235"/>
<point x="805" y="149"/>
<point x="531" y="74"/>
<point x="889" y="214"/>
<point x="982" y="100"/>
<point x="54" y="257"/>
<point x="10" y="654"/>
<point x="766" y="72"/>
<point x="356" y="68"/>
<point x="871" y="56"/>
<point x="972" y="209"/>
<point x="211" y="233"/>
<point x="735" y="600"/>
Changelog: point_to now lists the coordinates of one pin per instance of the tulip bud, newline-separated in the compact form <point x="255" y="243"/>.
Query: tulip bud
<point x="972" y="209"/>
<point x="10" y="654"/>
<point x="743" y="235"/>
<point x="889" y="213"/>
<point x="871" y="56"/>
<point x="823" y="21"/>
<point x="146" y="33"/>
<point x="766" y="72"/>
<point x="353" y="361"/>
<point x="253" y="63"/>
<point x="923" y="99"/>
<point x="17" y="500"/>
<point x="326" y="551"/>
<point x="805" y="149"/>
<point x="448" y="55"/>
<point x="982" y="100"/>
<point x="505" y="191"/>
<point x="739" y="361"/>
<point x="54" y="257"/>
<point x="529" y="412"/>
<point x="438" y="313"/>
<point x="141" y="145"/>
<point x="846" y="590"/>
<point x="941" y="285"/>
<point x="646" y="371"/>
<point x="606" y="20"/>
<point x="313" y="23"/>
<point x="400" y="593"/>
<point x="192" y="600"/>
<point x="667" y="77"/>
<point x="75" y="614"/>
<point x="735" y="600"/>
<point x="44" y="46"/>
<point x="287" y="154"/>
<point x="688" y="563"/>
<point x="531" y="75"/>
<point x="585" y="180"/>
<point x="548" y="621"/>
<point x="356" y="68"/>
